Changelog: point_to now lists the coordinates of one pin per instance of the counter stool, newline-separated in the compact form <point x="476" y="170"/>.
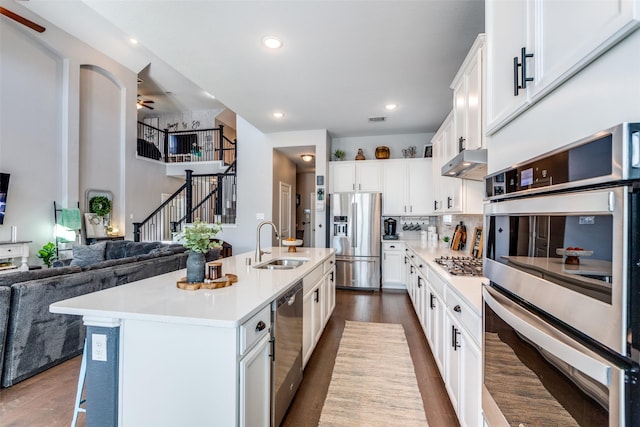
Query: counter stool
<point x="83" y="373"/>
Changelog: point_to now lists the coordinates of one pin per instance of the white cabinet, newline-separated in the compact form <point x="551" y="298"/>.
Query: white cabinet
<point x="463" y="365"/>
<point x="393" y="265"/>
<point x="362" y="175"/>
<point x="318" y="302"/>
<point x="255" y="385"/>
<point x="452" y="195"/>
<point x="454" y="333"/>
<point x="467" y="99"/>
<point x="407" y="187"/>
<point x="542" y="43"/>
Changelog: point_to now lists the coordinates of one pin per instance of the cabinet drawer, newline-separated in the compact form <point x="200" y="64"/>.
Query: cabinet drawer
<point x="254" y="329"/>
<point x="437" y="284"/>
<point x="328" y="264"/>
<point x="392" y="246"/>
<point x="465" y="315"/>
<point x="310" y="280"/>
<point x="7" y="251"/>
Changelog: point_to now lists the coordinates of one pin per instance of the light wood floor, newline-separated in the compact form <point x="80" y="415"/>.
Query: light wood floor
<point x="47" y="399"/>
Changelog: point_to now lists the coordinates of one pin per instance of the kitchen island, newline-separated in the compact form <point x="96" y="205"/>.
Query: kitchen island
<point x="162" y="356"/>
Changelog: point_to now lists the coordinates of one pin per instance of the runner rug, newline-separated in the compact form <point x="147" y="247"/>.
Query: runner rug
<point x="373" y="381"/>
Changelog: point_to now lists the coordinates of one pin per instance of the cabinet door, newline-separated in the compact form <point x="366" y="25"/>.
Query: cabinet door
<point x="329" y="296"/>
<point x="421" y="297"/>
<point x="317" y="319"/>
<point x="394" y="188"/>
<point x="343" y="176"/>
<point x="572" y="34"/>
<point x="420" y="187"/>
<point x="440" y="333"/>
<point x="255" y="386"/>
<point x="438" y="158"/>
<point x="471" y="383"/>
<point x="473" y="104"/>
<point x="369" y="176"/>
<point x="307" y="325"/>
<point x="452" y="356"/>
<point x="392" y="269"/>
<point x="453" y="194"/>
<point x="506" y="29"/>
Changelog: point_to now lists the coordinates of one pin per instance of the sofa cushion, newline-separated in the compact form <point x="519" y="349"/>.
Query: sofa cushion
<point x="141" y="248"/>
<point x="89" y="254"/>
<point x="116" y="249"/>
<point x="23" y="276"/>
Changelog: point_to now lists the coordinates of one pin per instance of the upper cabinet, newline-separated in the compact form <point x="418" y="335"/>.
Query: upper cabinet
<point x="357" y="175"/>
<point x="467" y="100"/>
<point x="533" y="46"/>
<point x="407" y="187"/>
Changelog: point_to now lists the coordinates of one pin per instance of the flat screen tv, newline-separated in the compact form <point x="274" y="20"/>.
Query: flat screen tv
<point x="182" y="143"/>
<point x="4" y="187"/>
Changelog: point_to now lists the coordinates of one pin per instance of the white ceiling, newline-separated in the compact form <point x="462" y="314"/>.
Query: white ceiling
<point x="341" y="62"/>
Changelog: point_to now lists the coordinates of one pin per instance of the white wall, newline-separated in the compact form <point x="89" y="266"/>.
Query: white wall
<point x="396" y="144"/>
<point x="43" y="127"/>
<point x="602" y="95"/>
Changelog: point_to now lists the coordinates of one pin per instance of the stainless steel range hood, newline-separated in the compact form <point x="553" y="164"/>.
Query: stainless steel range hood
<point x="468" y="164"/>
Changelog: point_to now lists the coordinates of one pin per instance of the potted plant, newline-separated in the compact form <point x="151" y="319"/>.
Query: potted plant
<point x="338" y="154"/>
<point x="48" y="254"/>
<point x="197" y="238"/>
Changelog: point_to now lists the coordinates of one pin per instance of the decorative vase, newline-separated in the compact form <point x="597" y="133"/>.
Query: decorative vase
<point x="360" y="155"/>
<point x="195" y="267"/>
<point x="382" y="152"/>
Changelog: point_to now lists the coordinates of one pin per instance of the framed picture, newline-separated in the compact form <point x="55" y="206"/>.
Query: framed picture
<point x="94" y="225"/>
<point x="476" y="243"/>
<point x="428" y="151"/>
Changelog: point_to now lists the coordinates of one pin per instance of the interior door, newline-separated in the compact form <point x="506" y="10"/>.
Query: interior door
<point x="284" y="226"/>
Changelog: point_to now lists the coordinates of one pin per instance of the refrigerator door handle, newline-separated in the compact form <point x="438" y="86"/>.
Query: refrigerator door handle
<point x="352" y="260"/>
<point x="354" y="226"/>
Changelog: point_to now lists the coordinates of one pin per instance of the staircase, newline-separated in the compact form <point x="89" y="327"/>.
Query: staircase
<point x="210" y="197"/>
<point x="208" y="160"/>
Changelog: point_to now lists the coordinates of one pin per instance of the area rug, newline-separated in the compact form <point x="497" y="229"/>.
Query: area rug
<point x="373" y="381"/>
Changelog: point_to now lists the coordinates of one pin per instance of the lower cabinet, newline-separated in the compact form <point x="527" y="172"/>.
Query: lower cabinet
<point x="453" y="331"/>
<point x="255" y="385"/>
<point x="318" y="302"/>
<point x="393" y="267"/>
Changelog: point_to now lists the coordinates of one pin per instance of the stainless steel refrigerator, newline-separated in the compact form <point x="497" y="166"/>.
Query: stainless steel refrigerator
<point x="355" y="235"/>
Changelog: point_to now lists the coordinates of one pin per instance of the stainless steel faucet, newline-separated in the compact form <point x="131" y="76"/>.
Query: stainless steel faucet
<point x="259" y="251"/>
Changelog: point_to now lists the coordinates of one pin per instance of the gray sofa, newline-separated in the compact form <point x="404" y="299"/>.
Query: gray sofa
<point x="31" y="338"/>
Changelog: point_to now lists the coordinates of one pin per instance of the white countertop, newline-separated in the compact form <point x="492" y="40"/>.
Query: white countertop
<point x="158" y="299"/>
<point x="468" y="288"/>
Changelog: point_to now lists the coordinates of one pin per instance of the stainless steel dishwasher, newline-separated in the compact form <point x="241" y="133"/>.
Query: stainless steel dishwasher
<point x="286" y="374"/>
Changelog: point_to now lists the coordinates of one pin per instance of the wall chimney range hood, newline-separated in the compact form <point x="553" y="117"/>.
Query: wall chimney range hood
<point x="468" y="164"/>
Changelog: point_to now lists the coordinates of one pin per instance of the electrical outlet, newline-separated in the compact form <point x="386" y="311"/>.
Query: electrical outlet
<point x="587" y="220"/>
<point x="99" y="347"/>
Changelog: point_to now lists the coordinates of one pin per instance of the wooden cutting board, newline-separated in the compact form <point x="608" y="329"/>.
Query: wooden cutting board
<point x="457" y="237"/>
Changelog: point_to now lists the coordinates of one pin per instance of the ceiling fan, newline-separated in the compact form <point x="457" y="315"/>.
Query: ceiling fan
<point x="24" y="21"/>
<point x="143" y="103"/>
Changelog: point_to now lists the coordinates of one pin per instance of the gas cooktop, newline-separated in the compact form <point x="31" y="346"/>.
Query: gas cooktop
<point x="461" y="265"/>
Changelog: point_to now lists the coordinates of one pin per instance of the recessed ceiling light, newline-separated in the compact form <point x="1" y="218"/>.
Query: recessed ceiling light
<point x="133" y="41"/>
<point x="272" y="42"/>
<point x="278" y="115"/>
<point x="391" y="106"/>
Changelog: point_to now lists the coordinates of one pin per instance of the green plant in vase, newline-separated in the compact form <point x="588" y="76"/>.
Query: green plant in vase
<point x="197" y="238"/>
<point x="48" y="254"/>
<point x="339" y="154"/>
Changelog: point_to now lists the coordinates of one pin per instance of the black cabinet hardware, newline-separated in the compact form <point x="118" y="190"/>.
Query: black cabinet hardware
<point x="419" y="281"/>
<point x="520" y="78"/>
<point x="431" y="301"/>
<point x="260" y="326"/>
<point x="316" y="298"/>
<point x="457" y="309"/>
<point x="449" y="204"/>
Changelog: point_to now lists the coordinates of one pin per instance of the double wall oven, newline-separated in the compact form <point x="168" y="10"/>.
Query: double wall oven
<point x="562" y="308"/>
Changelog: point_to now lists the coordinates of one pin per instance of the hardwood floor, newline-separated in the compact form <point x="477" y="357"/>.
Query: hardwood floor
<point x="383" y="307"/>
<point x="47" y="399"/>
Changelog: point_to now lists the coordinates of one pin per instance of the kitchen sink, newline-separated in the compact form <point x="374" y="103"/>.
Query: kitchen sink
<point x="282" y="264"/>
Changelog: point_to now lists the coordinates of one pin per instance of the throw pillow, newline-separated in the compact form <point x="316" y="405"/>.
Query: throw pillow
<point x="116" y="249"/>
<point x="87" y="255"/>
<point x="141" y="248"/>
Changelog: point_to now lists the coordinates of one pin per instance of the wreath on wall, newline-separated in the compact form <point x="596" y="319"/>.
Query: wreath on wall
<point x="100" y="205"/>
